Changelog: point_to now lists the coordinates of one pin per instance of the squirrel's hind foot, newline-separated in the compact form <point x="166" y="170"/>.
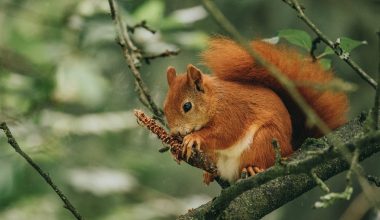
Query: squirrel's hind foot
<point x="250" y="171"/>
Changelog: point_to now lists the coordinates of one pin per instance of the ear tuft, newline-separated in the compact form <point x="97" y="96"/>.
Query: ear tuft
<point x="194" y="76"/>
<point x="170" y="74"/>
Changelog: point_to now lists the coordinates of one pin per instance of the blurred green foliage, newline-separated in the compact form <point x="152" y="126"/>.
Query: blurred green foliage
<point x="67" y="93"/>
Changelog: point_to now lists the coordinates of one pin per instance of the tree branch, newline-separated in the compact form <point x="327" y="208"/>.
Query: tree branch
<point x="12" y="141"/>
<point x="331" y="197"/>
<point x="312" y="119"/>
<point x="320" y="182"/>
<point x="257" y="196"/>
<point x="334" y="46"/>
<point x="142" y="24"/>
<point x="376" y="108"/>
<point x="314" y="45"/>
<point x="132" y="57"/>
<point x="374" y="179"/>
<point x="166" y="53"/>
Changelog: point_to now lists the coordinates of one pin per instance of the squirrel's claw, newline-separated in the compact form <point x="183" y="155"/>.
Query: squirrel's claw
<point x="189" y="148"/>
<point x="188" y="142"/>
<point x="250" y="171"/>
<point x="244" y="173"/>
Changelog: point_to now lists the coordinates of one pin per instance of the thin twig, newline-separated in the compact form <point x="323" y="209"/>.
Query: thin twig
<point x="277" y="150"/>
<point x="376" y="108"/>
<point x="353" y="165"/>
<point x="334" y="46"/>
<point x="374" y="179"/>
<point x="331" y="197"/>
<point x="319" y="182"/>
<point x="166" y="53"/>
<point x="132" y="57"/>
<point x="334" y="85"/>
<point x="314" y="44"/>
<point x="12" y="141"/>
<point x="142" y="24"/>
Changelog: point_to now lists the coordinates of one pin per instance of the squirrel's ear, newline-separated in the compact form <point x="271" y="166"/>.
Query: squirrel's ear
<point x="194" y="76"/>
<point x="170" y="74"/>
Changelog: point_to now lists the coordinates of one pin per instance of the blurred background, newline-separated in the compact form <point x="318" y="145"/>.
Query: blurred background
<point x="68" y="96"/>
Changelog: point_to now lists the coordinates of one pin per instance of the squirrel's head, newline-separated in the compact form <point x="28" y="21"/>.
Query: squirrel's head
<point x="187" y="104"/>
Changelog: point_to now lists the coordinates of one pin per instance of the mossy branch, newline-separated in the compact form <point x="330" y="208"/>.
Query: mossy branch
<point x="257" y="196"/>
<point x="314" y="157"/>
<point x="376" y="108"/>
<point x="312" y="118"/>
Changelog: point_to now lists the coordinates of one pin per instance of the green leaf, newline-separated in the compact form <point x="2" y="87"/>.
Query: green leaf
<point x="327" y="51"/>
<point x="346" y="44"/>
<point x="296" y="37"/>
<point x="152" y="11"/>
<point x="325" y="63"/>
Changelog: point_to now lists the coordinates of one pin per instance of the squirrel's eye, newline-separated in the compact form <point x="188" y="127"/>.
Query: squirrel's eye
<point x="187" y="106"/>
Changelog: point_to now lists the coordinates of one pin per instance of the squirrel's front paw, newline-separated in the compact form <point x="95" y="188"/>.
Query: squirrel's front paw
<point x="190" y="141"/>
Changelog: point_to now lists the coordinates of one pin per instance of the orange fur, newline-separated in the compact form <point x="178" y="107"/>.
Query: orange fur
<point x="230" y="62"/>
<point x="236" y="113"/>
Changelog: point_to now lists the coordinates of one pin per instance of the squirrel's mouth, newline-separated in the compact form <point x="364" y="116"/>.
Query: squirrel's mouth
<point x="183" y="131"/>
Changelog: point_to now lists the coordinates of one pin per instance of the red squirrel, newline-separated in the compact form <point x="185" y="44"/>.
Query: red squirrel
<point x="234" y="114"/>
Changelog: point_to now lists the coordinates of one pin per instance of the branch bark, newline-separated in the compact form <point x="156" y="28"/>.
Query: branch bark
<point x="132" y="56"/>
<point x="12" y="141"/>
<point x="376" y="108"/>
<point x="255" y="197"/>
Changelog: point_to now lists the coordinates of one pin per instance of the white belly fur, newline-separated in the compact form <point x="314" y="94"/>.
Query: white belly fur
<point x="228" y="160"/>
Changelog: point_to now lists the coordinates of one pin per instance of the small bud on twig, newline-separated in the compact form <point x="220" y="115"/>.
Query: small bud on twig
<point x="198" y="159"/>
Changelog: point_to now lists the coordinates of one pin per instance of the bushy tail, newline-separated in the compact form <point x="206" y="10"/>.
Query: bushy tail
<point x="230" y="62"/>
